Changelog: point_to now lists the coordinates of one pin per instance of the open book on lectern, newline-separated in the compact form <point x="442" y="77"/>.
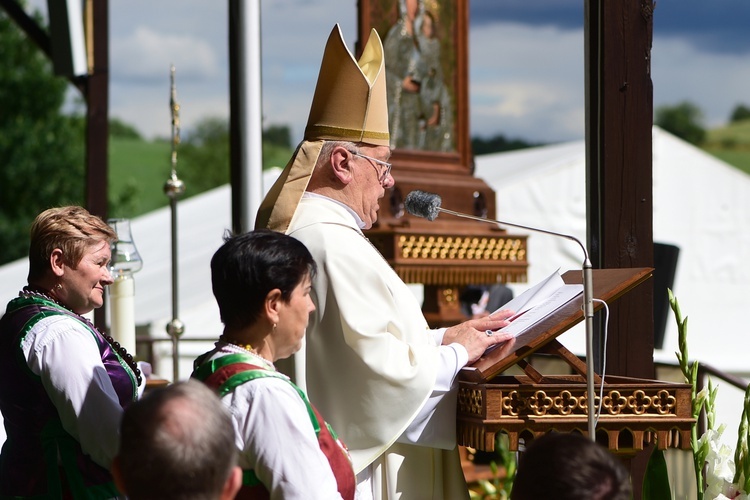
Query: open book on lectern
<point x="538" y="302"/>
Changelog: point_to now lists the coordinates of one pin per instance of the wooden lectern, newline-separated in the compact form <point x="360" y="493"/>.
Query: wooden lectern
<point x="634" y="412"/>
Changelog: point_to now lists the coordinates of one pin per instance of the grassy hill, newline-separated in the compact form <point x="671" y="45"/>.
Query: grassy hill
<point x="731" y="143"/>
<point x="138" y="170"/>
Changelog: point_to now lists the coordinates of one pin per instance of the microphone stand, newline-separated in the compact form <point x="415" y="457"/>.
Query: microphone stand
<point x="588" y="308"/>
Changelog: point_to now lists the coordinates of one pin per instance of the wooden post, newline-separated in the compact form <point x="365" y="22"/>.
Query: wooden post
<point x="619" y="120"/>
<point x="97" y="124"/>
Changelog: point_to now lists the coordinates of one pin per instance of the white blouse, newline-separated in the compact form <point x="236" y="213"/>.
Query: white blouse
<point x="63" y="353"/>
<point x="276" y="438"/>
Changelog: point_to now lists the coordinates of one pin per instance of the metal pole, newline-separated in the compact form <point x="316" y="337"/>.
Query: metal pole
<point x="173" y="188"/>
<point x="246" y="116"/>
<point x="588" y="314"/>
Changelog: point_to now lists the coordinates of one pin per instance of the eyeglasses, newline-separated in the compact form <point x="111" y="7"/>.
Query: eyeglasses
<point x="387" y="165"/>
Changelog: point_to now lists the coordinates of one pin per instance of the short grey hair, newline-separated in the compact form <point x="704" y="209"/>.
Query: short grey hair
<point x="177" y="442"/>
<point x="328" y="147"/>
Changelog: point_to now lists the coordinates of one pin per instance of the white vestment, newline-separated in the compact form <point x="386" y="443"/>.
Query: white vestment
<point x="372" y="365"/>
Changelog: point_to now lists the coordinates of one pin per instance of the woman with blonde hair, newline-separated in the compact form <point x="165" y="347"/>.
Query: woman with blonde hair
<point x="63" y="384"/>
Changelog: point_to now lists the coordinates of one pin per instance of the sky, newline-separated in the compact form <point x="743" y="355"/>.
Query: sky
<point x="525" y="61"/>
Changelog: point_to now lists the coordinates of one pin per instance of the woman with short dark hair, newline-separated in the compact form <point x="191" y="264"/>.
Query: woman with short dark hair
<point x="262" y="283"/>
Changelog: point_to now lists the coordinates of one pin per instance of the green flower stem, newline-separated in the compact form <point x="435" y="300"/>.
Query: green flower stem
<point x="741" y="453"/>
<point x="690" y="372"/>
<point x="706" y="401"/>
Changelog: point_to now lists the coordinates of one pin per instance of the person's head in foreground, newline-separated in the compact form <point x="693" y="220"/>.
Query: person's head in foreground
<point x="177" y="442"/>
<point x="569" y="467"/>
<point x="261" y="281"/>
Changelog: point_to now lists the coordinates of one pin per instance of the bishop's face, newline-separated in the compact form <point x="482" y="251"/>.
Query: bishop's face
<point x="372" y="177"/>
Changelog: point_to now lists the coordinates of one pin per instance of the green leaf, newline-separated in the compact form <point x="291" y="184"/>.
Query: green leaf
<point x="656" y="481"/>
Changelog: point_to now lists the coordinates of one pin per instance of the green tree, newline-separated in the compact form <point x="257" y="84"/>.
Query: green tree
<point x="481" y="146"/>
<point x="203" y="156"/>
<point x="277" y="146"/>
<point x="118" y="128"/>
<point x="741" y="112"/>
<point x="685" y="120"/>
<point x="278" y="135"/>
<point x="41" y="149"/>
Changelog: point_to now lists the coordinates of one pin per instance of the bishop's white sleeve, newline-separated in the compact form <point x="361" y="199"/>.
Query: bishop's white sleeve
<point x="437" y="336"/>
<point x="435" y="424"/>
<point x="277" y="440"/>
<point x="66" y="357"/>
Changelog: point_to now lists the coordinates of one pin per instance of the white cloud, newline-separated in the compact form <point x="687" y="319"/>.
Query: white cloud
<point x="147" y="54"/>
<point x="147" y="36"/>
<point x="150" y="112"/>
<point x="294" y="35"/>
<point x="526" y="82"/>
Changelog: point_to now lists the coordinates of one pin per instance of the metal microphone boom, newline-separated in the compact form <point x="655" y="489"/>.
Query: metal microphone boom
<point x="427" y="205"/>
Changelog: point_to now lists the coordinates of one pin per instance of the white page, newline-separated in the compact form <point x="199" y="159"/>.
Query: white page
<point x="553" y="302"/>
<point x="534" y="295"/>
<point x="538" y="302"/>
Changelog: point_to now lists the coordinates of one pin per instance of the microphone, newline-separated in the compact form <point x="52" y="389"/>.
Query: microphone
<point x="427" y="205"/>
<point x="422" y="204"/>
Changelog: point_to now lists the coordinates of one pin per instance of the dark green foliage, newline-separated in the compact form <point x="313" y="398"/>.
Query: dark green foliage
<point x="656" y="479"/>
<point x="498" y="143"/>
<point x="118" y="128"/>
<point x="278" y="135"/>
<point x="683" y="120"/>
<point x="741" y="112"/>
<point x="41" y="150"/>
<point x="203" y="155"/>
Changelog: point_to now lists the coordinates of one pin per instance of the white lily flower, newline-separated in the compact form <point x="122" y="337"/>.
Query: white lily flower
<point x="719" y="466"/>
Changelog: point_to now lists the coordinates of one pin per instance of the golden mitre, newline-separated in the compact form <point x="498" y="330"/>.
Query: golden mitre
<point x="349" y="104"/>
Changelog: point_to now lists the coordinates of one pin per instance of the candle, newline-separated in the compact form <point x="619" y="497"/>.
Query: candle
<point x="122" y="301"/>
